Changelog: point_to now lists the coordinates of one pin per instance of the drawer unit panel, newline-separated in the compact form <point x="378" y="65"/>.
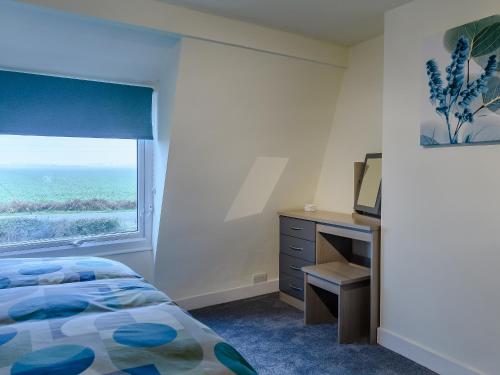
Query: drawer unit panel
<point x="298" y="228"/>
<point x="292" y="266"/>
<point x="292" y="286"/>
<point x="298" y="248"/>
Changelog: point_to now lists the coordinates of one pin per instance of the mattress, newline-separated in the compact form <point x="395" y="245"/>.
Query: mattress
<point x="86" y="315"/>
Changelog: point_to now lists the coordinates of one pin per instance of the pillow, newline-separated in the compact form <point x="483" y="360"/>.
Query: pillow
<point x="18" y="272"/>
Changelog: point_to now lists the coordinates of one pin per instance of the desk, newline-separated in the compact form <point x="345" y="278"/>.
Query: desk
<point x="309" y="238"/>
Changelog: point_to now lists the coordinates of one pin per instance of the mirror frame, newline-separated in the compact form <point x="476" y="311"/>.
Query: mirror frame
<point x="373" y="211"/>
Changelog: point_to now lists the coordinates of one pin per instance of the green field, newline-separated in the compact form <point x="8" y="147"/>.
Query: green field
<point x="61" y="184"/>
<point x="59" y="202"/>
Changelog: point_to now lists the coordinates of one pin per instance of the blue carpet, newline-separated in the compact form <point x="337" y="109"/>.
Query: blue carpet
<point x="272" y="337"/>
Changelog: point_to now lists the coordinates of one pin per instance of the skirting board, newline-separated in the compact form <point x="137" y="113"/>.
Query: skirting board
<point x="434" y="361"/>
<point x="228" y="295"/>
<point x="297" y="303"/>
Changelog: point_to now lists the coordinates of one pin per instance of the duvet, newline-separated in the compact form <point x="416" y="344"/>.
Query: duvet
<point x="94" y="316"/>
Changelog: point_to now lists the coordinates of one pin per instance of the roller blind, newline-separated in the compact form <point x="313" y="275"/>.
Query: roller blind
<point x="32" y="104"/>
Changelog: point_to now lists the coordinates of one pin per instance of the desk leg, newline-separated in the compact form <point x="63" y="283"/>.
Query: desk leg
<point x="354" y="312"/>
<point x="375" y="288"/>
<point x="315" y="309"/>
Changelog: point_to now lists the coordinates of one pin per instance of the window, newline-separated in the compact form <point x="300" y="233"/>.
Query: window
<point x="75" y="164"/>
<point x="56" y="190"/>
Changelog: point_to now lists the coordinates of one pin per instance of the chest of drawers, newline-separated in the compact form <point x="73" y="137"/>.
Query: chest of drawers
<point x="297" y="249"/>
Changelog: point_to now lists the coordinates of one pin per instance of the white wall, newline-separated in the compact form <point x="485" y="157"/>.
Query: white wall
<point x="190" y="23"/>
<point x="248" y="128"/>
<point x="165" y="104"/>
<point x="239" y="116"/>
<point x="45" y="41"/>
<point x="357" y="126"/>
<point x="440" y="256"/>
<point x="42" y="40"/>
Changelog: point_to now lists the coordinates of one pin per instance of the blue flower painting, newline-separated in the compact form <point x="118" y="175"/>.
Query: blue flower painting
<point x="461" y="104"/>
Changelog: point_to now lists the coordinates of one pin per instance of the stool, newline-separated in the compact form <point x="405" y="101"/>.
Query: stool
<point x="350" y="305"/>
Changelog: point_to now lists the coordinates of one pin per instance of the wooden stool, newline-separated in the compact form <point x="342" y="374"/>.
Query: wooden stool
<point x="351" y="308"/>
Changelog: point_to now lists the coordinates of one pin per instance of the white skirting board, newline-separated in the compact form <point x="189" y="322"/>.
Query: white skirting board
<point x="434" y="361"/>
<point x="228" y="295"/>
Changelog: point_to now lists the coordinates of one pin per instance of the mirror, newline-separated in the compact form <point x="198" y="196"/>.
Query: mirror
<point x="369" y="194"/>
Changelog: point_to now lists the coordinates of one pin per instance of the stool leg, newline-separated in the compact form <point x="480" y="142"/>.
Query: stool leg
<point x="316" y="311"/>
<point x="354" y="312"/>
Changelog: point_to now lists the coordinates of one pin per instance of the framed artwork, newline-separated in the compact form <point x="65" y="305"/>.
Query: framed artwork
<point x="461" y="98"/>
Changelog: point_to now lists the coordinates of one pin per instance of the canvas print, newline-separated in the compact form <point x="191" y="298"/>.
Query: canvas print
<point x="461" y="102"/>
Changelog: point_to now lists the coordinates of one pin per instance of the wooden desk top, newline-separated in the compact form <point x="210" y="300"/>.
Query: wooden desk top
<point x="339" y="273"/>
<point x="334" y="218"/>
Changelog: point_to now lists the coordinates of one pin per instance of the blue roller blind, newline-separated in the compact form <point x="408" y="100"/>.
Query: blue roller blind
<point x="32" y="104"/>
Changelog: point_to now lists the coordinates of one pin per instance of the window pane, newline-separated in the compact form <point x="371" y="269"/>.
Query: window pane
<point x="66" y="188"/>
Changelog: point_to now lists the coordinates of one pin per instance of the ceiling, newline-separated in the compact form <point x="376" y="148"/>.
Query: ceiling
<point x="344" y="22"/>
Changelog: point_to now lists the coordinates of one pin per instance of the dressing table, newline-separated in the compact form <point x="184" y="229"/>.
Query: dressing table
<point x="333" y="252"/>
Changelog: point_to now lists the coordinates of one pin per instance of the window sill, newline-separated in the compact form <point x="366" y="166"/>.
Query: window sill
<point x="101" y="249"/>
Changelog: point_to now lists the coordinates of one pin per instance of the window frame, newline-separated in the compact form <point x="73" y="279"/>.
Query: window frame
<point x="107" y="244"/>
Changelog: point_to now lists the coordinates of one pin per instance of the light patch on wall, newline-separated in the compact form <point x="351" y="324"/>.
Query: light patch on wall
<point x="257" y="187"/>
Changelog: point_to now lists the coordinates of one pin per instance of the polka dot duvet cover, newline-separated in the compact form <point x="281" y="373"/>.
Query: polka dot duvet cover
<point x="119" y="325"/>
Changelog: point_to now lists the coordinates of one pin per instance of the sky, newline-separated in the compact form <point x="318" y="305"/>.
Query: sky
<point x="26" y="151"/>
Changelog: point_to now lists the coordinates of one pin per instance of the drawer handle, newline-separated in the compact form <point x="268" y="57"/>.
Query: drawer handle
<point x="295" y="288"/>
<point x="296" y="228"/>
<point x="295" y="268"/>
<point x="296" y="248"/>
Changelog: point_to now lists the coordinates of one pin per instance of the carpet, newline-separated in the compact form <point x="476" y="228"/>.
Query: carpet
<point x="271" y="335"/>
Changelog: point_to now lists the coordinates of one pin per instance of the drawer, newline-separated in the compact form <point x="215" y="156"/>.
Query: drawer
<point x="292" y="266"/>
<point x="298" y="228"/>
<point x="292" y="286"/>
<point x="298" y="248"/>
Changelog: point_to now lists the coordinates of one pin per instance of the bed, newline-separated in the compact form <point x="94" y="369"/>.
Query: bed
<point x="87" y="315"/>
